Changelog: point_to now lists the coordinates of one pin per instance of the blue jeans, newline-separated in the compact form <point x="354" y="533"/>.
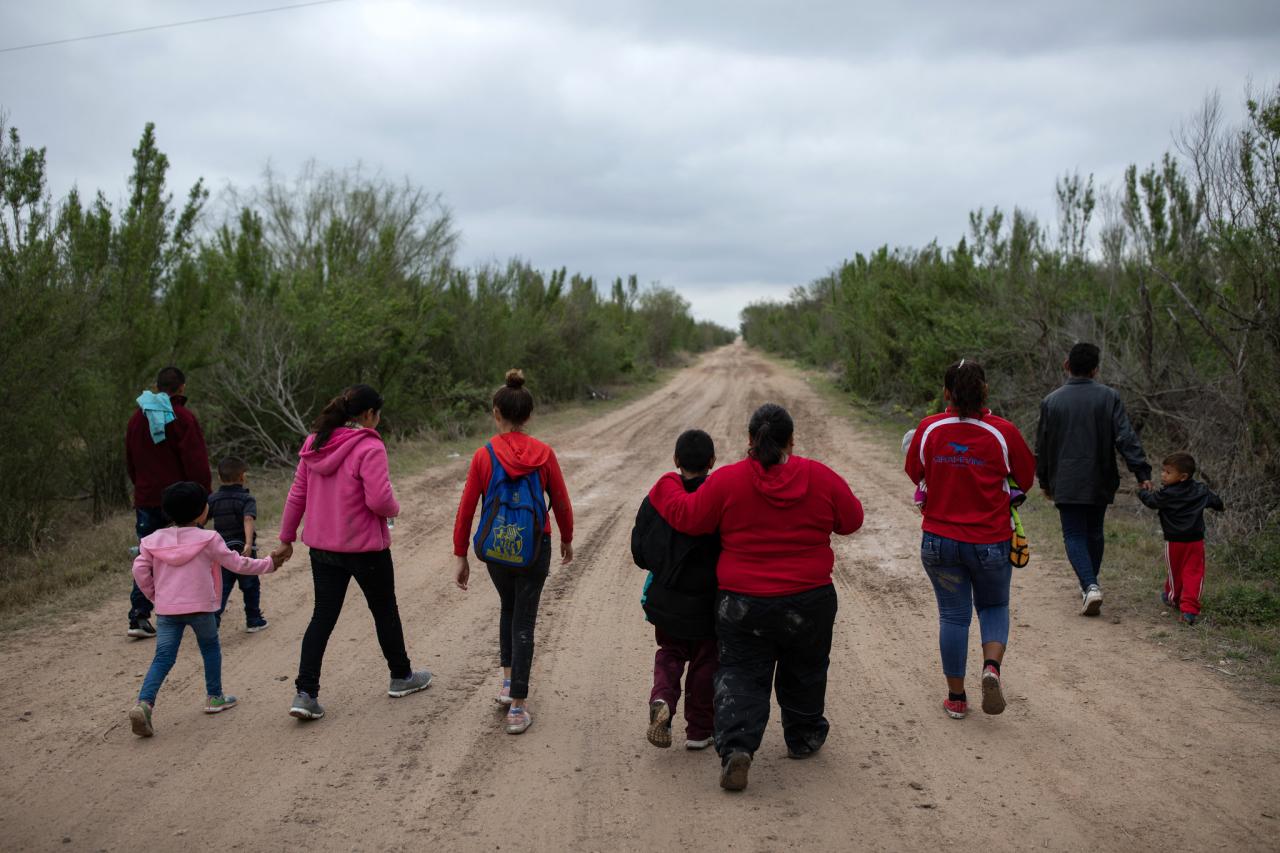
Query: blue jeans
<point x="967" y="576"/>
<point x="149" y="520"/>
<point x="169" y="638"/>
<point x="250" y="587"/>
<point x="1083" y="536"/>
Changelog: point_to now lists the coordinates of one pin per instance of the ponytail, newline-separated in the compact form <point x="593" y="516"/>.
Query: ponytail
<point x="513" y="401"/>
<point x="770" y="431"/>
<point x="349" y="404"/>
<point x="967" y="382"/>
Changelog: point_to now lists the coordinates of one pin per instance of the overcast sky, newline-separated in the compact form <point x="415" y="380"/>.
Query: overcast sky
<point x="731" y="150"/>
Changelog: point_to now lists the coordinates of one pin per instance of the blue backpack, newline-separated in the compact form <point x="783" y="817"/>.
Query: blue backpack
<point x="512" y="518"/>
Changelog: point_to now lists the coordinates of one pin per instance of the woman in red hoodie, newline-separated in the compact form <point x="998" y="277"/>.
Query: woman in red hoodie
<point x="966" y="456"/>
<point x="343" y="489"/>
<point x="519" y="589"/>
<point x="775" y="512"/>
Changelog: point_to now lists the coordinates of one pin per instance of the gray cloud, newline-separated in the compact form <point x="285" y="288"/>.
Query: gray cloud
<point x="732" y="150"/>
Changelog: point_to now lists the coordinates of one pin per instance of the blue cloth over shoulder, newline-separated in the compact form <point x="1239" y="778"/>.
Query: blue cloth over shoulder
<point x="159" y="411"/>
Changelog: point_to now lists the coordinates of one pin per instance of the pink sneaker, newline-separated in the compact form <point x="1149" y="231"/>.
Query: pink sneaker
<point x="518" y="720"/>
<point x="957" y="709"/>
<point x="992" y="695"/>
<point x="504" y="693"/>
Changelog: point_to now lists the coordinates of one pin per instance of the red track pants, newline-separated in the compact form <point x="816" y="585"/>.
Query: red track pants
<point x="1185" y="582"/>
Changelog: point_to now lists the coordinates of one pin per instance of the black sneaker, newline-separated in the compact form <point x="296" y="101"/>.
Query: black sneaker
<point x="733" y="774"/>
<point x="141" y="629"/>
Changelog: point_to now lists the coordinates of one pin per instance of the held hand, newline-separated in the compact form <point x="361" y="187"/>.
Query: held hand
<point x="1146" y="486"/>
<point x="277" y="559"/>
<point x="1048" y="494"/>
<point x="462" y="572"/>
<point x="566" y="553"/>
<point x="284" y="552"/>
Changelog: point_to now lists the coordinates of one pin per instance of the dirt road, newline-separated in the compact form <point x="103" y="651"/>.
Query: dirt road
<point x="1108" y="743"/>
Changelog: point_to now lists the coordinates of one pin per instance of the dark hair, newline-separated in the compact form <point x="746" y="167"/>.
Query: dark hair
<point x="342" y="408"/>
<point x="184" y="501"/>
<point x="1083" y="359"/>
<point x="967" y="382"/>
<point x="694" y="451"/>
<point x="1182" y="462"/>
<point x="770" y="430"/>
<point x="513" y="401"/>
<point x="170" y="379"/>
<point x="232" y="468"/>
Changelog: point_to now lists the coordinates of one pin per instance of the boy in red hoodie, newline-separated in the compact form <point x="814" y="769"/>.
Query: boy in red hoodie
<point x="180" y="569"/>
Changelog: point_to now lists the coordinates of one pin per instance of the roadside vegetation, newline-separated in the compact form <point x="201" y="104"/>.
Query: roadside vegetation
<point x="271" y="299"/>
<point x="1174" y="271"/>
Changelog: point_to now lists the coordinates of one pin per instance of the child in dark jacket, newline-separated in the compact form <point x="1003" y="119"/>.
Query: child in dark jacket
<point x="234" y="513"/>
<point x="1181" y="502"/>
<point x="680" y="601"/>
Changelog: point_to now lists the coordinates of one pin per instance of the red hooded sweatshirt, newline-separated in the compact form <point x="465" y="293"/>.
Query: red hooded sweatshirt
<point x="519" y="454"/>
<point x="181" y="456"/>
<point x="965" y="464"/>
<point x="775" y="523"/>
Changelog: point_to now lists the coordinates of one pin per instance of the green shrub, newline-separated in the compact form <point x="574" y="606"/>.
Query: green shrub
<point x="1243" y="604"/>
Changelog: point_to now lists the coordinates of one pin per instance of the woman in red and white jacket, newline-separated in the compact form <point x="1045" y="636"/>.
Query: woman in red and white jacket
<point x="965" y="457"/>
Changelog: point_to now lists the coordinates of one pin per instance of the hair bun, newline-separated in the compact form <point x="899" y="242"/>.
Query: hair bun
<point x="515" y="378"/>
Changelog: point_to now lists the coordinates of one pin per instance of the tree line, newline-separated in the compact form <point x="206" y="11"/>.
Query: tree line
<point x="299" y="288"/>
<point x="1175" y="273"/>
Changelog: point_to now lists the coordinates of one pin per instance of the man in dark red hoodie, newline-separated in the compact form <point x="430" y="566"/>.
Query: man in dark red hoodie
<point x="775" y="512"/>
<point x="163" y="445"/>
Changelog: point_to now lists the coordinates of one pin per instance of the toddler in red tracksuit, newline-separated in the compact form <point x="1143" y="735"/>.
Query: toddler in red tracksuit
<point x="1181" y="502"/>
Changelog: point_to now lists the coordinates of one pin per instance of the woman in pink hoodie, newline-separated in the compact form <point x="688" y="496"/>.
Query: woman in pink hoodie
<point x="343" y="488"/>
<point x="180" y="569"/>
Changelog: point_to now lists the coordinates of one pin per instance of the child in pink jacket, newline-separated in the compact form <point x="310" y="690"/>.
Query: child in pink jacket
<point x="179" y="569"/>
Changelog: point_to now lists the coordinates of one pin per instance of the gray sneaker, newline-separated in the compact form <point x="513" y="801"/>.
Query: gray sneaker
<point x="1091" y="601"/>
<point x="419" y="680"/>
<point x="305" y="707"/>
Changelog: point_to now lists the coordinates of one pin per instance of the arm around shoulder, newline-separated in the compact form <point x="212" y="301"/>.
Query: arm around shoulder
<point x="694" y="513"/>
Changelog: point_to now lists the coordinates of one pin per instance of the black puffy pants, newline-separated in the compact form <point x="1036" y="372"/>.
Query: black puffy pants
<point x="783" y="643"/>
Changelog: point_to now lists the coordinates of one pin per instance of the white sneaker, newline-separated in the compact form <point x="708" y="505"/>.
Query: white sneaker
<point x="518" y="720"/>
<point x="699" y="744"/>
<point x="1091" y="601"/>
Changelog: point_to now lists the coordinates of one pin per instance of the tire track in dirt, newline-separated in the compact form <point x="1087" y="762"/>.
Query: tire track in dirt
<point x="1103" y="731"/>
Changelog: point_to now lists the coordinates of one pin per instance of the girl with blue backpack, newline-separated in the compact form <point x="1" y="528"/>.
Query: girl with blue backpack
<point x="513" y="473"/>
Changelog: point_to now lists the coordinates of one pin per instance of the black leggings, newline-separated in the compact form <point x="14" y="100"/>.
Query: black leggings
<point x="332" y="571"/>
<point x="519" y="591"/>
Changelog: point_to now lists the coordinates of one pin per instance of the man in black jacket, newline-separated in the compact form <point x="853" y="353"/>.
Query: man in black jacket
<point x="1082" y="426"/>
<point x="680" y="601"/>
